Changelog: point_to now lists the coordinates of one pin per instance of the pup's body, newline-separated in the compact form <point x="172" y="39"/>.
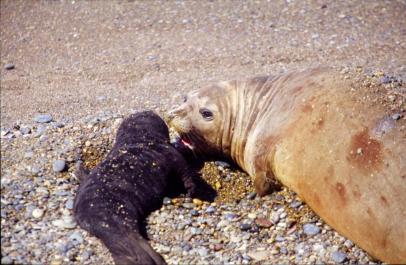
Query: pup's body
<point x="115" y="198"/>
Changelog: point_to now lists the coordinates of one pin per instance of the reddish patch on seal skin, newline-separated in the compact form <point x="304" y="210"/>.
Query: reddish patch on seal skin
<point x="365" y="152"/>
<point x="341" y="191"/>
<point x="307" y="108"/>
<point x="356" y="192"/>
<point x="384" y="201"/>
<point x="296" y="90"/>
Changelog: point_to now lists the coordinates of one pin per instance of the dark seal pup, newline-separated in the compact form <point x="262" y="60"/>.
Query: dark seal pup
<point x="117" y="195"/>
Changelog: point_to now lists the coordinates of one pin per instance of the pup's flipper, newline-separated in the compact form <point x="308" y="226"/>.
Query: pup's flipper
<point x="81" y="172"/>
<point x="132" y="249"/>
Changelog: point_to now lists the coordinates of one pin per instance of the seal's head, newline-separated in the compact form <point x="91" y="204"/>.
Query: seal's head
<point x="199" y="120"/>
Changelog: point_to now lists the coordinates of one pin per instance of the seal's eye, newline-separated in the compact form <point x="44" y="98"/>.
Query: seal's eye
<point x="206" y="114"/>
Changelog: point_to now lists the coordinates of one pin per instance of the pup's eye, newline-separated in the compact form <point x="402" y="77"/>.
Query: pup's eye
<point x="206" y="114"/>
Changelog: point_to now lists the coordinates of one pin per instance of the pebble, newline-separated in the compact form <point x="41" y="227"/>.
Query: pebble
<point x="245" y="226"/>
<point x="6" y="260"/>
<point x="295" y="204"/>
<point x="275" y="218"/>
<point x="259" y="255"/>
<point x="222" y="164"/>
<point x="9" y="66"/>
<point x="210" y="209"/>
<point x="86" y="255"/>
<point x="311" y="229"/>
<point x="386" y="79"/>
<point x="25" y="130"/>
<point x="202" y="252"/>
<point x="396" y="116"/>
<point x="252" y="215"/>
<point x="167" y="201"/>
<point x="263" y="222"/>
<point x="69" y="204"/>
<point x="197" y="202"/>
<point x="76" y="236"/>
<point x="338" y="256"/>
<point x="37" y="213"/>
<point x="251" y="195"/>
<point x="59" y="165"/>
<point x="188" y="205"/>
<point x="392" y="98"/>
<point x="43" y="118"/>
<point x="67" y="222"/>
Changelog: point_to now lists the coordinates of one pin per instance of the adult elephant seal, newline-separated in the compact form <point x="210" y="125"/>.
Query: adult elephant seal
<point x="322" y="135"/>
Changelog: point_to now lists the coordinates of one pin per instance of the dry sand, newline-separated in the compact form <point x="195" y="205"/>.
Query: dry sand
<point x="74" y="58"/>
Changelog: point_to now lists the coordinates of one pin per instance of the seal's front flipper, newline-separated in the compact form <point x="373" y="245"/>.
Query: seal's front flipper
<point x="265" y="184"/>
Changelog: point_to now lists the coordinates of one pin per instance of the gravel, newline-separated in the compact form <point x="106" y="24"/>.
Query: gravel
<point x="140" y="54"/>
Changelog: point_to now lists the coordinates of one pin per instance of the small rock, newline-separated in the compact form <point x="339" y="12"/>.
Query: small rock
<point x="197" y="202"/>
<point x="76" y="236"/>
<point x="311" y="229"/>
<point x="8" y="66"/>
<point x="25" y="130"/>
<point x="338" y="256"/>
<point x="348" y="243"/>
<point x="86" y="255"/>
<point x="167" y="201"/>
<point x="279" y="238"/>
<point x="295" y="204"/>
<point x="217" y="247"/>
<point x="263" y="222"/>
<point x="194" y="212"/>
<point x="202" y="252"/>
<point x="188" y="205"/>
<point x="69" y="222"/>
<point x="396" y="116"/>
<point x="6" y="260"/>
<point x="245" y="226"/>
<point x="252" y="215"/>
<point x="275" y="218"/>
<point x="210" y="209"/>
<point x="222" y="164"/>
<point x="37" y="213"/>
<point x="43" y="118"/>
<point x="230" y="216"/>
<point x="386" y="80"/>
<point x="259" y="255"/>
<point x="251" y="195"/>
<point x="392" y="98"/>
<point x="69" y="204"/>
<point x="59" y="165"/>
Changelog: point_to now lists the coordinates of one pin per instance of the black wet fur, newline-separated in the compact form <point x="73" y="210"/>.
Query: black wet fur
<point x="114" y="198"/>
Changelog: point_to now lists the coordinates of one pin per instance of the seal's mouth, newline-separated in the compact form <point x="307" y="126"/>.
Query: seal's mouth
<point x="187" y="143"/>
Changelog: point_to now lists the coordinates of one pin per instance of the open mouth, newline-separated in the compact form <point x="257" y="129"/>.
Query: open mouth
<point x="186" y="143"/>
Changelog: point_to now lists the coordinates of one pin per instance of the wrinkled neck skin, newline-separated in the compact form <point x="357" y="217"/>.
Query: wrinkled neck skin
<point x="241" y="119"/>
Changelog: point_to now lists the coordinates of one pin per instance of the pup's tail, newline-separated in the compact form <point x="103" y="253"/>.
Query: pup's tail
<point x="132" y="249"/>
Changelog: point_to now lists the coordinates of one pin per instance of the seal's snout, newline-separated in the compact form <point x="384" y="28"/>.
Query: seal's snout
<point x="176" y="112"/>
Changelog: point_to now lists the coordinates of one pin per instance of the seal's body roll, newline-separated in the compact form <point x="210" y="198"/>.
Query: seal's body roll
<point x="321" y="135"/>
<point x="114" y="199"/>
